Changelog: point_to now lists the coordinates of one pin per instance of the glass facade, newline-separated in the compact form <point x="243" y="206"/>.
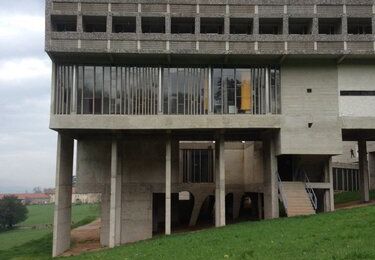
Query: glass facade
<point x="169" y="91"/>
<point x="197" y="165"/>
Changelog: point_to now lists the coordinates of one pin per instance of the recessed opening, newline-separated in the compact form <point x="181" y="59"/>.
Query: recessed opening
<point x="94" y="23"/>
<point x="300" y="25"/>
<point x="359" y="26"/>
<point x="270" y="25"/>
<point x="310" y="125"/>
<point x="309" y="90"/>
<point x="241" y="26"/>
<point x="212" y="25"/>
<point x="329" y="25"/>
<point x="124" y="25"/>
<point x="153" y="24"/>
<point x="183" y="25"/>
<point x="64" y="23"/>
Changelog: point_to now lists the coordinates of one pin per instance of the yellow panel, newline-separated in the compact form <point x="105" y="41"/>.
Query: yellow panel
<point x="246" y="101"/>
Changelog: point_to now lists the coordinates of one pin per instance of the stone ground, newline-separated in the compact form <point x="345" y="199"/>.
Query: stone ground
<point x="87" y="238"/>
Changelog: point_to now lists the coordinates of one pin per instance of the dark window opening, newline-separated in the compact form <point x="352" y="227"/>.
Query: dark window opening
<point x="183" y="25"/>
<point x="300" y="26"/>
<point x="357" y="93"/>
<point x="241" y="26"/>
<point x="197" y="165"/>
<point x="359" y="26"/>
<point x="329" y="25"/>
<point x="64" y="23"/>
<point x="212" y="25"/>
<point x="153" y="25"/>
<point x="270" y="26"/>
<point x="94" y="24"/>
<point x="124" y="25"/>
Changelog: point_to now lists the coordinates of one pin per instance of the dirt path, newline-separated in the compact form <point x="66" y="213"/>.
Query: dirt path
<point x="85" y="239"/>
<point x="354" y="204"/>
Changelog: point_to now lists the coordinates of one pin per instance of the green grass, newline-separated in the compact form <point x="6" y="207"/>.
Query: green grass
<point x="350" y="196"/>
<point x="345" y="234"/>
<point x="35" y="228"/>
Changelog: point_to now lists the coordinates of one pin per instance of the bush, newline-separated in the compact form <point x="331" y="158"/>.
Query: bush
<point x="12" y="211"/>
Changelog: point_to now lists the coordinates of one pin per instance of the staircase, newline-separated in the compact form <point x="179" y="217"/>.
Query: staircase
<point x="298" y="200"/>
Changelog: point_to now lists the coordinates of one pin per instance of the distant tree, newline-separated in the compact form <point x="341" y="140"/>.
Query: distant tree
<point x="12" y="211"/>
<point x="37" y="190"/>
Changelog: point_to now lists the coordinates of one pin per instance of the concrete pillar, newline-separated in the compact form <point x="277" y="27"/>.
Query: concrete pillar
<point x="198" y="201"/>
<point x="329" y="203"/>
<point x="115" y="197"/>
<point x="271" y="200"/>
<point x="63" y="195"/>
<point x="168" y="167"/>
<point x="219" y="182"/>
<point x="363" y="171"/>
<point x="372" y="170"/>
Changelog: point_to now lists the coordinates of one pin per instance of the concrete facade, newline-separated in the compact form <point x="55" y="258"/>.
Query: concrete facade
<point x="225" y="117"/>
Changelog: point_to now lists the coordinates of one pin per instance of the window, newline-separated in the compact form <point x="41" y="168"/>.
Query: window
<point x="270" y="25"/>
<point x="359" y="26"/>
<point x="212" y="25"/>
<point x="94" y="23"/>
<point x="64" y="23"/>
<point x="183" y="25"/>
<point x="124" y="25"/>
<point x="357" y="93"/>
<point x="241" y="26"/>
<point x="243" y="90"/>
<point x="153" y="25"/>
<point x="329" y="25"/>
<point x="300" y="25"/>
<point x="197" y="165"/>
<point x="185" y="91"/>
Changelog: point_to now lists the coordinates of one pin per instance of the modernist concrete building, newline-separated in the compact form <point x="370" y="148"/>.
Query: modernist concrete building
<point x="192" y="111"/>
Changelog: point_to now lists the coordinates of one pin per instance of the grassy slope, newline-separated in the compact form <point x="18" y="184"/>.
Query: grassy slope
<point x="38" y="216"/>
<point x="345" y="234"/>
<point x="349" y="196"/>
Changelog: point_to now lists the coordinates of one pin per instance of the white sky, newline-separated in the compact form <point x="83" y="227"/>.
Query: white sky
<point x="27" y="146"/>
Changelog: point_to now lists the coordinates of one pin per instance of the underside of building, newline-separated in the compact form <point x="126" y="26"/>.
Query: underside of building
<point x="188" y="114"/>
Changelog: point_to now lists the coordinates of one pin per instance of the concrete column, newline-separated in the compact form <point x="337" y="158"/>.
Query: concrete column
<point x="372" y="170"/>
<point x="271" y="200"/>
<point x="115" y="197"/>
<point x="63" y="195"/>
<point x="329" y="203"/>
<point x="219" y="182"/>
<point x="363" y="171"/>
<point x="168" y="167"/>
<point x="198" y="201"/>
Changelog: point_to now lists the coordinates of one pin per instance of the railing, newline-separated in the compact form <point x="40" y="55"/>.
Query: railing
<point x="310" y="191"/>
<point x="281" y="191"/>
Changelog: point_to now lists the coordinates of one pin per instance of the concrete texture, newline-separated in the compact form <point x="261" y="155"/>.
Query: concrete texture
<point x="219" y="182"/>
<point x="64" y="176"/>
<point x="363" y="171"/>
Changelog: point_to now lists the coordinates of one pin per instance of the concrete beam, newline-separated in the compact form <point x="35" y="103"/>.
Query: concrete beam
<point x="115" y="197"/>
<point x="219" y="182"/>
<point x="271" y="200"/>
<point x="168" y="168"/>
<point x="63" y="193"/>
<point x="363" y="171"/>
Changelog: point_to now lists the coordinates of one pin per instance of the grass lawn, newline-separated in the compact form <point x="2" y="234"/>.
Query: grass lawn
<point x="345" y="234"/>
<point x="349" y="196"/>
<point x="34" y="227"/>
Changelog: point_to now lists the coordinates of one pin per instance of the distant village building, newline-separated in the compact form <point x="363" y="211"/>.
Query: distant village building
<point x="30" y="198"/>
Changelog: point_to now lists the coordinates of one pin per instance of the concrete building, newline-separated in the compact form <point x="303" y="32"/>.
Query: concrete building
<point x="231" y="104"/>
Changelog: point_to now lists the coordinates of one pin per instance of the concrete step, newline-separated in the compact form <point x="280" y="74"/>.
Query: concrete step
<point x="297" y="199"/>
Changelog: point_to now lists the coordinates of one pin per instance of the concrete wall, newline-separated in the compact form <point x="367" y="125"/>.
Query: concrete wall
<point x="299" y="108"/>
<point x="346" y="157"/>
<point x="352" y="76"/>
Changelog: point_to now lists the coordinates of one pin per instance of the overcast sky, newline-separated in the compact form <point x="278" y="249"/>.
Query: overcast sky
<point x="27" y="146"/>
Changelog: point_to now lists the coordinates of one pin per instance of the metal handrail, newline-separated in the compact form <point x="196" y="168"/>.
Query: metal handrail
<point x="281" y="191"/>
<point x="310" y="191"/>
